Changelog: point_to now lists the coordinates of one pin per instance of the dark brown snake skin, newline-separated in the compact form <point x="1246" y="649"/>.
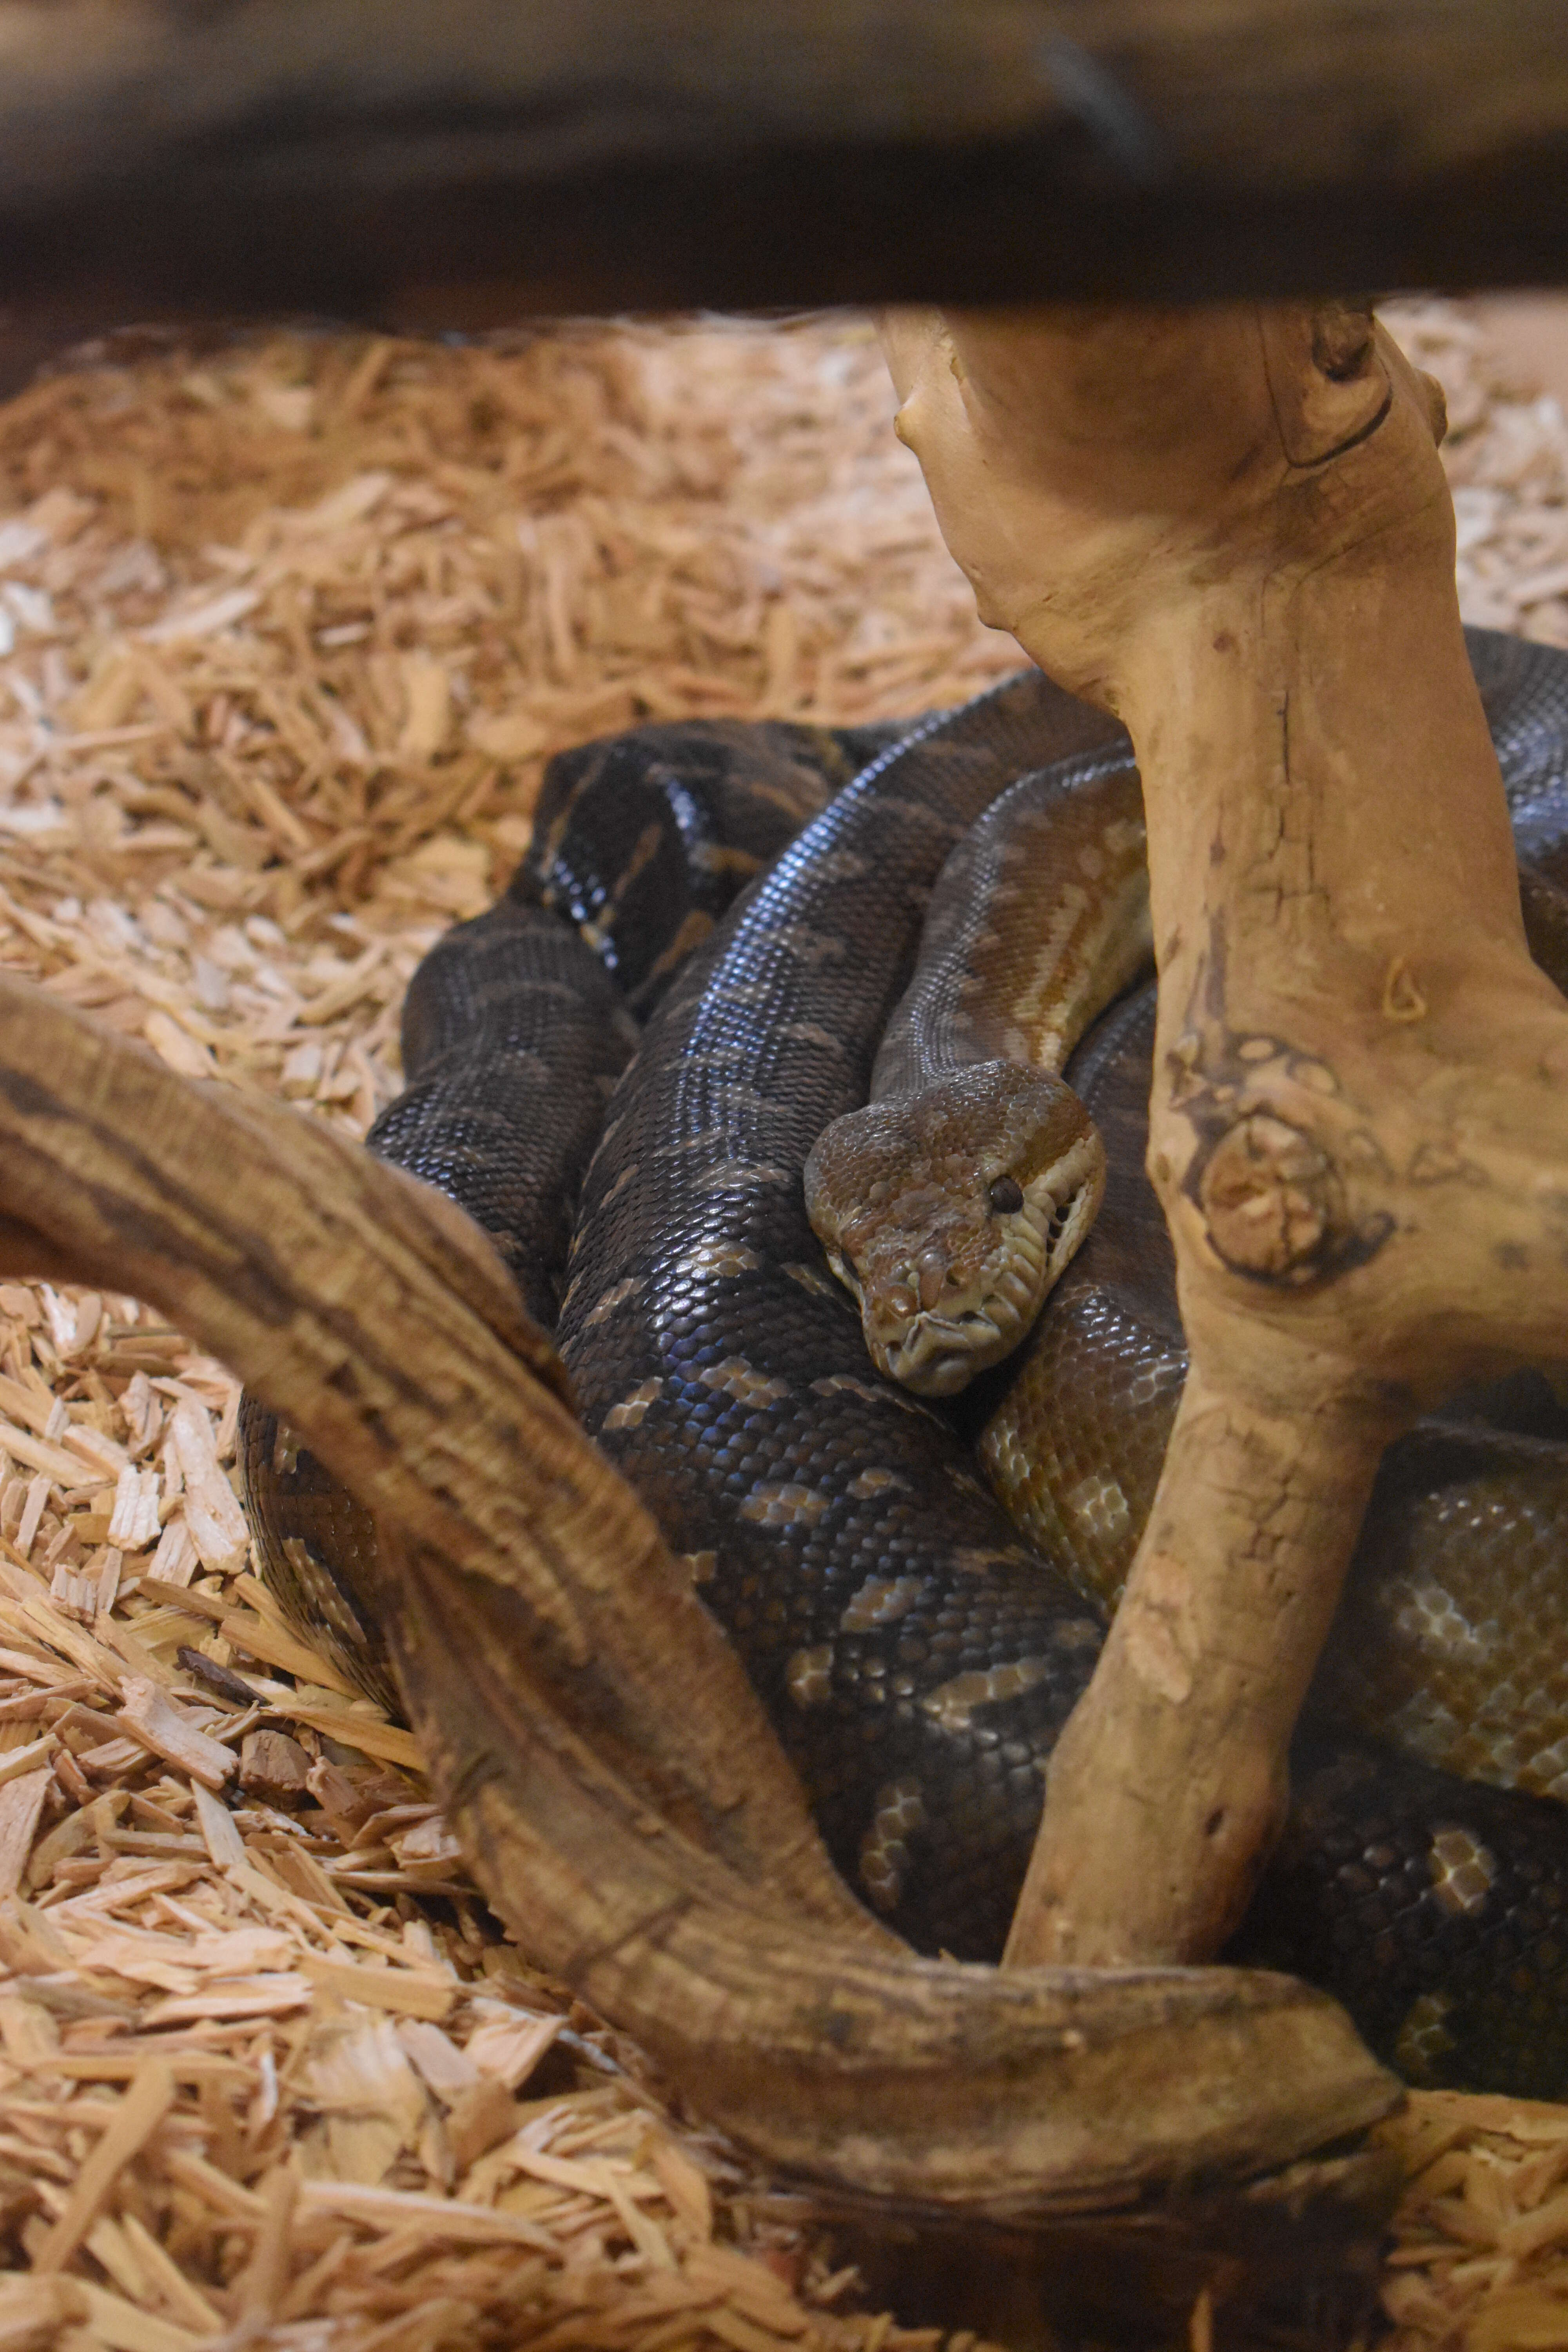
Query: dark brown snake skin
<point x="917" y="1657"/>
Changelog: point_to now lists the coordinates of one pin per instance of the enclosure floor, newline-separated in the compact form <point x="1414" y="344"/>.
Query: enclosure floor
<point x="286" y="633"/>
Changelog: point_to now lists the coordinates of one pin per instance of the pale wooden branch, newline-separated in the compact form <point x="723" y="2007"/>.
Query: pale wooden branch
<point x="1233" y="529"/>
<point x="590" y="1732"/>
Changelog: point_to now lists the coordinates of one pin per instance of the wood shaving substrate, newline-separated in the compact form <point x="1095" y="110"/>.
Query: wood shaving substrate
<point x="286" y="632"/>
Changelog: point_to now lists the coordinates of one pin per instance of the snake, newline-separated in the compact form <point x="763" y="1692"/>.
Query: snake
<point x="950" y="1205"/>
<point x="917" y="1651"/>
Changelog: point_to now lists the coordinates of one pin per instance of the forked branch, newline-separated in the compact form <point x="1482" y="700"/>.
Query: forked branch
<point x="1233" y="529"/>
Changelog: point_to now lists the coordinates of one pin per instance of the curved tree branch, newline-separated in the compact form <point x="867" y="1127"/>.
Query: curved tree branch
<point x="625" y="1802"/>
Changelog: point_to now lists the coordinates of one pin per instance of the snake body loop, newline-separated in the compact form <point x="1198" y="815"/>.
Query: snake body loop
<point x="918" y="1657"/>
<point x="917" y="1661"/>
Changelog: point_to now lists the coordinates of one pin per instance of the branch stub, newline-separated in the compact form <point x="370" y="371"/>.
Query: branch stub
<point x="1270" y="1198"/>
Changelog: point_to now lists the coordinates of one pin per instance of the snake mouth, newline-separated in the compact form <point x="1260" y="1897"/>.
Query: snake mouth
<point x="937" y="1355"/>
<point x="938" y="1351"/>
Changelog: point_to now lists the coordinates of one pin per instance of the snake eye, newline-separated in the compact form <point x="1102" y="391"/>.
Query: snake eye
<point x="1006" y="1196"/>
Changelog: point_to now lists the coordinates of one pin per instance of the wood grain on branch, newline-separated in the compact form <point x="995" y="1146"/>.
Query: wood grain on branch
<point x="1233" y="529"/>
<point x="386" y="162"/>
<point x="610" y="1772"/>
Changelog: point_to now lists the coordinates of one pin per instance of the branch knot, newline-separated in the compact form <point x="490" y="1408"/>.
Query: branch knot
<point x="1270" y="1199"/>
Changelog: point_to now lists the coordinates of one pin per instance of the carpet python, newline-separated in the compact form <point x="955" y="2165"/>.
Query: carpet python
<point x="917" y="1651"/>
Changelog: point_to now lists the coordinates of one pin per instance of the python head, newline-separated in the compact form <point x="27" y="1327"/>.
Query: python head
<point x="950" y="1212"/>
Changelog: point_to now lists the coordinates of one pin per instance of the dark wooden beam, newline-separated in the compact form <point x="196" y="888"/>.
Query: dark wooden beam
<point x="466" y="165"/>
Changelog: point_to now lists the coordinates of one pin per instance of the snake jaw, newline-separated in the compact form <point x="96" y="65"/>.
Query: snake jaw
<point x="1068" y="1198"/>
<point x="937" y="1355"/>
<point x="843" y="1265"/>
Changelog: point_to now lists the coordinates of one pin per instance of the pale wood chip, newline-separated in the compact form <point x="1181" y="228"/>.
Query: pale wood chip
<point x="429" y="1844"/>
<point x="447" y="2069"/>
<point x="64" y="1469"/>
<point x="109" y="1574"/>
<point x="33" y="1615"/>
<point x="113" y="1758"/>
<point x="405" y="1992"/>
<point x="375" y="2107"/>
<point x="74" y="1596"/>
<point x="46" y="1672"/>
<point x="509" y="2049"/>
<point x="685" y="2184"/>
<point x="32" y="1513"/>
<point x="167" y="2281"/>
<point x="33" y="1408"/>
<point x="119" y="2326"/>
<point x="303" y="1876"/>
<point x="142" y="1662"/>
<point x="158" y="1959"/>
<point x="371" y="1734"/>
<point x="33" y="2310"/>
<point x="61" y="1316"/>
<point x="176" y="1560"/>
<point x="18" y="1761"/>
<point x="150" y="1716"/>
<point x="215" y="2187"/>
<point x="143" y="1412"/>
<point x="743" y="2334"/>
<point x="204" y="619"/>
<point x="134" y="1524"/>
<point x="123" y="1892"/>
<point x="135" y="2119"/>
<point x="85" y="1827"/>
<point x="261" y="1639"/>
<point x="479" y="2118"/>
<point x="263" y="1996"/>
<point x="97" y="1448"/>
<point x="21" y="1803"/>
<point x="440" y="2216"/>
<point x="213" y="1515"/>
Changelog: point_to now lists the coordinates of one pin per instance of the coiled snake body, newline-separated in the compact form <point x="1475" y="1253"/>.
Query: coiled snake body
<point x="917" y="1654"/>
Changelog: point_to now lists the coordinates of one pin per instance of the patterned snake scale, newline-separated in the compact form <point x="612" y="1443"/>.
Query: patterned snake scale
<point x="916" y="1656"/>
